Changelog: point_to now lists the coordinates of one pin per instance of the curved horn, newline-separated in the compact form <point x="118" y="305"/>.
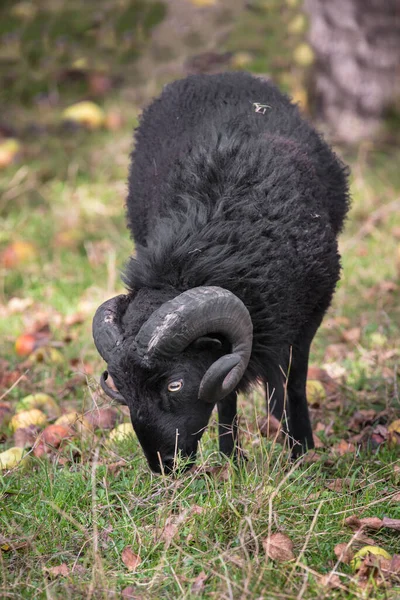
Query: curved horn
<point x="192" y="314"/>
<point x="107" y="333"/>
<point x="109" y="391"/>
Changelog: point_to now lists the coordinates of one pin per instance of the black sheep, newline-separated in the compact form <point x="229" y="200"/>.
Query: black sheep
<point x="234" y="204"/>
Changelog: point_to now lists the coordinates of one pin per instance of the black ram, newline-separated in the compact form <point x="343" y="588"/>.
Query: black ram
<point x="235" y="203"/>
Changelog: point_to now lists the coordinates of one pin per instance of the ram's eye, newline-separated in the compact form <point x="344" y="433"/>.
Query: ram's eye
<point x="175" y="386"/>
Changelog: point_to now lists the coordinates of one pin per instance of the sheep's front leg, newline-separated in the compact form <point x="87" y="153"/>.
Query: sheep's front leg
<point x="227" y="426"/>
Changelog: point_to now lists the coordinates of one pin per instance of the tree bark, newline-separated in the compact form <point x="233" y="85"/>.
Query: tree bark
<point x="357" y="68"/>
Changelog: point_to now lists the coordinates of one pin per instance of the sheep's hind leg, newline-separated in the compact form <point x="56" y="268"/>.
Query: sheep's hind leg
<point x="300" y="430"/>
<point x="228" y="429"/>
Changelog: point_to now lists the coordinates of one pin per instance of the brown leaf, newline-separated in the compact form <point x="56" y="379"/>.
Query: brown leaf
<point x="102" y="418"/>
<point x="25" y="437"/>
<point x="396" y="497"/>
<point x="379" y="435"/>
<point x="335" y="352"/>
<point x="5" y="413"/>
<point x="330" y="385"/>
<point x="343" y="447"/>
<point x="361" y="418"/>
<point x="395" y="564"/>
<point x="58" y="570"/>
<point x="131" y="593"/>
<point x="366" y="523"/>
<point x="198" y="584"/>
<point x="130" y="559"/>
<point x="318" y="443"/>
<point x="51" y="438"/>
<point x="391" y="523"/>
<point x="196" y="509"/>
<point x="269" y="426"/>
<point x="278" y="547"/>
<point x="337" y="485"/>
<point x="343" y="553"/>
<point x="74" y="319"/>
<point x="331" y="580"/>
<point x="115" y="467"/>
<point x="220" y="472"/>
<point x="352" y="336"/>
<point x="171" y="526"/>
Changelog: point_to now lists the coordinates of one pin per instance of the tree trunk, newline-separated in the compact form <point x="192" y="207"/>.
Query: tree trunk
<point x="357" y="67"/>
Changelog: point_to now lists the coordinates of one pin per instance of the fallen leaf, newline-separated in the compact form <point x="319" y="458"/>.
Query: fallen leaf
<point x="343" y="447"/>
<point x="9" y="149"/>
<point x="113" y="120"/>
<point x="331" y="580"/>
<point x="78" y="423"/>
<point x="102" y="418"/>
<point x="315" y="392"/>
<point x="25" y="437"/>
<point x="58" y="570"/>
<point x="379" y="435"/>
<point x="196" y="510"/>
<point x="335" y="352"/>
<point x="85" y="113"/>
<point x="121" y="433"/>
<point x="13" y="457"/>
<point x="269" y="426"/>
<point x="55" y="434"/>
<point x="99" y="83"/>
<point x="377" y="552"/>
<point x="337" y="485"/>
<point x="352" y="336"/>
<point x="131" y="593"/>
<point x="25" y="344"/>
<point x="5" y="413"/>
<point x="43" y="402"/>
<point x="391" y="523"/>
<point x="171" y="527"/>
<point x="394" y="433"/>
<point x="330" y="385"/>
<point x="278" y="547"/>
<point x="335" y="370"/>
<point x="343" y="553"/>
<point x="318" y="443"/>
<point x="26" y="418"/>
<point x="367" y="522"/>
<point x="18" y="305"/>
<point x="130" y="559"/>
<point x="361" y="418"/>
<point x="198" y="584"/>
<point x="220" y="472"/>
<point x="396" y="497"/>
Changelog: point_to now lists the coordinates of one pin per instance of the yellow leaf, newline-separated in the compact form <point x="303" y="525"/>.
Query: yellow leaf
<point x="26" y="418"/>
<point x="203" y="2"/>
<point x="41" y="401"/>
<point x="12" y="458"/>
<point x="120" y="433"/>
<point x="9" y="149"/>
<point x="303" y="55"/>
<point x="85" y="113"/>
<point x="297" y="24"/>
<point x="364" y="552"/>
<point x="315" y="391"/>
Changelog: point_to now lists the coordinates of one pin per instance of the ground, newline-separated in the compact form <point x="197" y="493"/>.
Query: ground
<point x="88" y="519"/>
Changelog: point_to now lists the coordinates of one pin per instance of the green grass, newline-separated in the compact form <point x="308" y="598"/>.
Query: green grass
<point x="66" y="195"/>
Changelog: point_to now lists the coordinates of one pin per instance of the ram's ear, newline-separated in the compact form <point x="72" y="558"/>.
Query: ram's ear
<point x="207" y="343"/>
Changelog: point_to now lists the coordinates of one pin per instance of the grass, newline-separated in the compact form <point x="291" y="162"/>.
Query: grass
<point x="85" y="504"/>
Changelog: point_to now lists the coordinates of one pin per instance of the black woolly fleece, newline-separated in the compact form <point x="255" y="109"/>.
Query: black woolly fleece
<point x="230" y="186"/>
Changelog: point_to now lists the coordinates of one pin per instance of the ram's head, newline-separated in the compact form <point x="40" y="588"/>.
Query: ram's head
<point x="190" y="353"/>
